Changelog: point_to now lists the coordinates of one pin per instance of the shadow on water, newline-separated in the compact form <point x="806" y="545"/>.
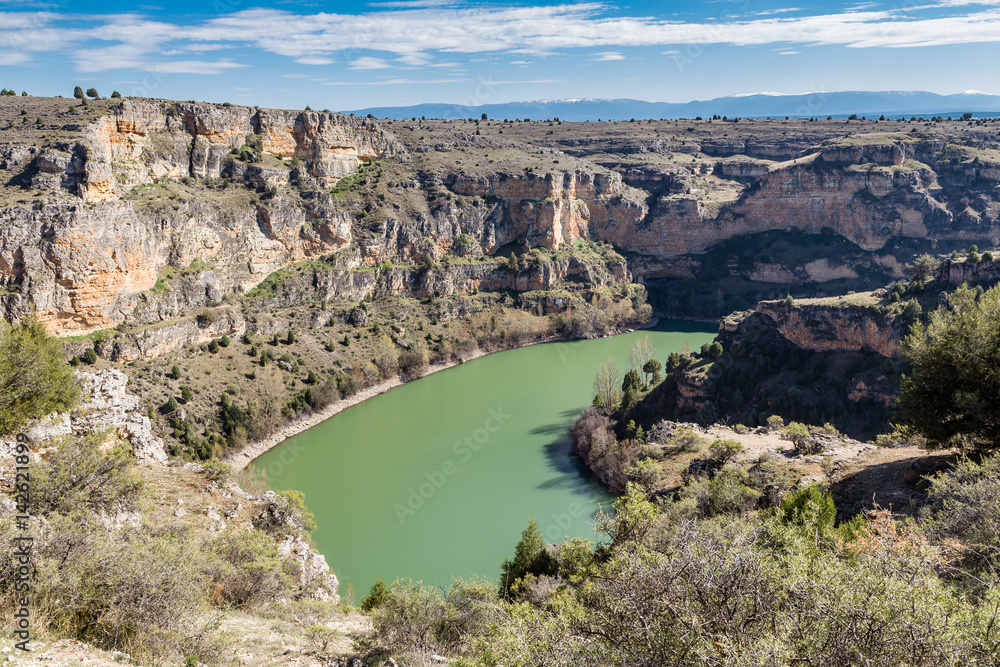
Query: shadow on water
<point x="571" y="473"/>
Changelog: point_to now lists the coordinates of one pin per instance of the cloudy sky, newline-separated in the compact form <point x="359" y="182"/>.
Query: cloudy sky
<point x="342" y="55"/>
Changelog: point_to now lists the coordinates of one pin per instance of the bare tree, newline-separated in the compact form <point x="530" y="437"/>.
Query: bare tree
<point x="642" y="351"/>
<point x="607" y="381"/>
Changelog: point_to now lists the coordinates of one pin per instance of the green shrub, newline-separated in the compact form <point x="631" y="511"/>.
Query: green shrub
<point x="206" y="318"/>
<point x="216" y="471"/>
<point x="79" y="475"/>
<point x="186" y="394"/>
<point x="965" y="506"/>
<point x="175" y="372"/>
<point x="376" y="595"/>
<point x="950" y="397"/>
<point x="723" y="451"/>
<point x="685" y="439"/>
<point x="225" y="341"/>
<point x="140" y="592"/>
<point x="320" y="637"/>
<point x="811" y="507"/>
<point x="34" y="377"/>
<point x="800" y="437"/>
<point x="250" y="572"/>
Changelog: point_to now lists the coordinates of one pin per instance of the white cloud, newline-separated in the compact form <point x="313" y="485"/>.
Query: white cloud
<point x="314" y="60"/>
<point x="368" y="62"/>
<point x="13" y="58"/>
<point x="409" y="31"/>
<point x="414" y="59"/>
<point x="394" y="82"/>
<point x="197" y="67"/>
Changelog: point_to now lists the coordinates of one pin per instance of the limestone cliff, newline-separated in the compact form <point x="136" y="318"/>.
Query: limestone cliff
<point x="831" y="324"/>
<point x="138" y="211"/>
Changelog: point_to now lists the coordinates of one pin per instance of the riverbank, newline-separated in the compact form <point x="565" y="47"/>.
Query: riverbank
<point x="241" y="459"/>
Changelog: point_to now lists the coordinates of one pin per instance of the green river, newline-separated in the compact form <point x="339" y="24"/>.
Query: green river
<point x="437" y="478"/>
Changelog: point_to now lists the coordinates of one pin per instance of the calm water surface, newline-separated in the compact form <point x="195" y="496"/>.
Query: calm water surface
<point x="436" y="479"/>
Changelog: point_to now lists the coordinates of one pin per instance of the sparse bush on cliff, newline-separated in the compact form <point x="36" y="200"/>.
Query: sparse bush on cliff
<point x="950" y="398"/>
<point x="413" y="619"/>
<point x="965" y="507"/>
<point x="248" y="572"/>
<point x="286" y="514"/>
<point x="923" y="267"/>
<point x="80" y="475"/>
<point x="34" y="377"/>
<point x="385" y="357"/>
<point x="801" y="438"/>
<point x="723" y="451"/>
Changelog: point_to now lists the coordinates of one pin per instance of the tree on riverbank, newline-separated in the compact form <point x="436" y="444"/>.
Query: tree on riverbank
<point x="606" y="383"/>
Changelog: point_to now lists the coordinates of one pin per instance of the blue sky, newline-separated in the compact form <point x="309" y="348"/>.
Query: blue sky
<point x="342" y="55"/>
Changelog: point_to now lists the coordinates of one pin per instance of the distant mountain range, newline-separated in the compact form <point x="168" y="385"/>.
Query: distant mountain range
<point x="760" y="105"/>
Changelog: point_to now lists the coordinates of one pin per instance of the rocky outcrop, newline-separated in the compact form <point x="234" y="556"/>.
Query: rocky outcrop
<point x="149" y="140"/>
<point x="82" y="265"/>
<point x="159" y="208"/>
<point x="964" y="271"/>
<point x="105" y="404"/>
<point x="155" y="340"/>
<point x="312" y="573"/>
<point x="555" y="208"/>
<point x="817" y="325"/>
<point x="324" y="282"/>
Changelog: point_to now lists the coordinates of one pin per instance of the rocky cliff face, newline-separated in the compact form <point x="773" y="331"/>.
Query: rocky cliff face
<point x="962" y="270"/>
<point x="83" y="262"/>
<point x="815" y="360"/>
<point x="148" y="209"/>
<point x="145" y="141"/>
<point x="106" y="405"/>
<point x="818" y="325"/>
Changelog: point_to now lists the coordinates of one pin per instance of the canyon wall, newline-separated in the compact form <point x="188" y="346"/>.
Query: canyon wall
<point x="151" y="208"/>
